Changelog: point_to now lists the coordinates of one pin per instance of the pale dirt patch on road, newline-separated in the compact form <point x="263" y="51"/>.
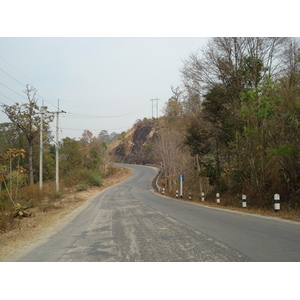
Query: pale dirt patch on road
<point x="31" y="228"/>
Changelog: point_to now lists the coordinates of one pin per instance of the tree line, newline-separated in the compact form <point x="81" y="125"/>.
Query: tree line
<point x="22" y="132"/>
<point x="233" y="125"/>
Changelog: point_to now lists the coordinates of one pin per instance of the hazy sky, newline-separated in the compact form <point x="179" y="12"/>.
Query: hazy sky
<point x="102" y="83"/>
<point x="104" y="61"/>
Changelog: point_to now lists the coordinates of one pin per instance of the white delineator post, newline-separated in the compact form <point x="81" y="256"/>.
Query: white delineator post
<point x="181" y="180"/>
<point x="277" y="203"/>
<point x="202" y="197"/>
<point x="244" y="201"/>
<point x="176" y="193"/>
<point x="218" y="197"/>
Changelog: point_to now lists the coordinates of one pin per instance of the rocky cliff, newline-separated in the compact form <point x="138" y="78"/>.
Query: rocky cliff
<point x="136" y="145"/>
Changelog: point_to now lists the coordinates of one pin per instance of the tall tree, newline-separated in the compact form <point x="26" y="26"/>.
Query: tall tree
<point x="26" y="117"/>
<point x="242" y="105"/>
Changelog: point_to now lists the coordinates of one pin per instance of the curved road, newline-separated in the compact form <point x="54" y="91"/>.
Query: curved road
<point x="128" y="222"/>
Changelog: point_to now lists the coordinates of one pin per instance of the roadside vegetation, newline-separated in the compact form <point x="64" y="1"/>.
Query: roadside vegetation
<point x="82" y="165"/>
<point x="233" y="126"/>
<point x="31" y="200"/>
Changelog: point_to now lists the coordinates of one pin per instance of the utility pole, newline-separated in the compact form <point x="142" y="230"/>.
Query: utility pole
<point x="153" y="105"/>
<point x="56" y="147"/>
<point x="42" y="112"/>
<point x="56" y="154"/>
<point x="41" y="146"/>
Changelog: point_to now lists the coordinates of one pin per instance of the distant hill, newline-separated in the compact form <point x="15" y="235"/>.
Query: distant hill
<point x="136" y="145"/>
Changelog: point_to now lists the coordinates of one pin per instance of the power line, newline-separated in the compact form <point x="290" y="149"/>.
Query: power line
<point x="7" y="98"/>
<point x="82" y="116"/>
<point x="13" y="90"/>
<point x="87" y="116"/>
<point x="12" y="78"/>
<point x="90" y="129"/>
<point x="21" y="84"/>
<point x="29" y="79"/>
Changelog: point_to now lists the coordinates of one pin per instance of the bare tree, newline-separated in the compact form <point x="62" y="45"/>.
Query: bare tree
<point x="228" y="60"/>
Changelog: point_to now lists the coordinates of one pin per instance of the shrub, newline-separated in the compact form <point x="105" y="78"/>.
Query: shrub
<point x="18" y="179"/>
<point x="81" y="187"/>
<point x="77" y="177"/>
<point x="111" y="170"/>
<point x="5" y="204"/>
<point x="95" y="178"/>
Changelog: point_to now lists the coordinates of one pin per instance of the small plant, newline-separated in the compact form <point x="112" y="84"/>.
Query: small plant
<point x="81" y="187"/>
<point x="57" y="194"/>
<point x="20" y="211"/>
<point x="8" y="156"/>
<point x="111" y="170"/>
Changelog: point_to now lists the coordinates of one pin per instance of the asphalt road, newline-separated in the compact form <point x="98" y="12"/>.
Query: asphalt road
<point x="129" y="223"/>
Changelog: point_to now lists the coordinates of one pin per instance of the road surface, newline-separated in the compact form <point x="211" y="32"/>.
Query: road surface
<point x="129" y="223"/>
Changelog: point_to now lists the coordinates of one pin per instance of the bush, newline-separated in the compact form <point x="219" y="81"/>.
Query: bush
<point x="77" y="177"/>
<point x="5" y="204"/>
<point x="95" y="178"/>
<point x="81" y="187"/>
<point x="111" y="170"/>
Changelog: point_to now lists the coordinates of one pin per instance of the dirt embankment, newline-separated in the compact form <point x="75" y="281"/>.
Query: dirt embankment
<point x="31" y="228"/>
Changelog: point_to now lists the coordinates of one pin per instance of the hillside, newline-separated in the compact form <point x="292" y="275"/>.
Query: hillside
<point x="136" y="144"/>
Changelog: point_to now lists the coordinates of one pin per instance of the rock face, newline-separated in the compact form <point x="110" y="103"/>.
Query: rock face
<point x="136" y="145"/>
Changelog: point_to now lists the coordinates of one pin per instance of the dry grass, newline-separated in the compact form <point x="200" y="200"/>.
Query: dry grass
<point x="282" y="214"/>
<point x="228" y="202"/>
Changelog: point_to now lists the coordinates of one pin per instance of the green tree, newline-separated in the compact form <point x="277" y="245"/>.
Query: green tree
<point x="71" y="157"/>
<point x="246" y="130"/>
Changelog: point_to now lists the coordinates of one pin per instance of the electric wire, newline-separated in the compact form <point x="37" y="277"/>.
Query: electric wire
<point x="7" y="98"/>
<point x="43" y="98"/>
<point x="68" y="114"/>
<point x="93" y="129"/>
<point x="29" y="79"/>
<point x="82" y="116"/>
<point x="13" y="90"/>
<point x="16" y="80"/>
<point x="20" y="83"/>
<point x="71" y="115"/>
<point x="87" y="116"/>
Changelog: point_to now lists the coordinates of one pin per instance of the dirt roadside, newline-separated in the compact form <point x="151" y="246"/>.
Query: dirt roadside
<point x="12" y="243"/>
